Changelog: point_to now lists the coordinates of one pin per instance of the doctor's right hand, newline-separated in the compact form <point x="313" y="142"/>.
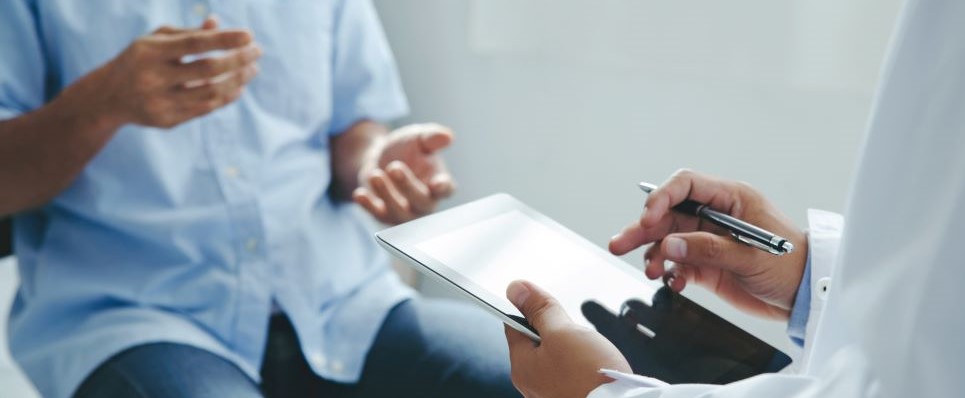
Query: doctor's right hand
<point x="150" y="84"/>
<point x="749" y="278"/>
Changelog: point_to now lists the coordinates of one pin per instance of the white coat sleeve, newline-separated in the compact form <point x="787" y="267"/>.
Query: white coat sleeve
<point x="824" y="236"/>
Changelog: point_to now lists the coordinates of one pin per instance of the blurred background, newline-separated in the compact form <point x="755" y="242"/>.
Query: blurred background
<point x="567" y="104"/>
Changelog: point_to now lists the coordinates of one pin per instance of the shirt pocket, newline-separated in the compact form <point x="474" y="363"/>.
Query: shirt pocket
<point x="295" y="71"/>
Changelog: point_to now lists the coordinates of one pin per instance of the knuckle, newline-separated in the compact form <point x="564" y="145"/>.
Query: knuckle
<point x="207" y="66"/>
<point x="154" y="106"/>
<point x="140" y="48"/>
<point x="145" y="82"/>
<point x="193" y="43"/>
<point x="210" y="94"/>
<point x="240" y="78"/>
<point x="166" y="121"/>
<point x="712" y="248"/>
<point x="541" y="306"/>
<point x="745" y="186"/>
<point x="211" y="105"/>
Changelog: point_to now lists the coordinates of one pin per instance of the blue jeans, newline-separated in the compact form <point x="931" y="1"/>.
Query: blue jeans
<point x="425" y="348"/>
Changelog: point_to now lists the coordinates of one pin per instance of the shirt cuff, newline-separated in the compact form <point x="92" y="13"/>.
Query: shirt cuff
<point x="624" y="385"/>
<point x="798" y="323"/>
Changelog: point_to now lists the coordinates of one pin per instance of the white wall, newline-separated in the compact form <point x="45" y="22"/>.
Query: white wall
<point x="566" y="104"/>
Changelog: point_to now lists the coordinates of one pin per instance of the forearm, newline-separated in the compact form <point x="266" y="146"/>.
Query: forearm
<point x="43" y="151"/>
<point x="349" y="152"/>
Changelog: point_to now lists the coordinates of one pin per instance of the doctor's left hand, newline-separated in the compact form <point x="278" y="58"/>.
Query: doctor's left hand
<point x="403" y="177"/>
<point x="567" y="361"/>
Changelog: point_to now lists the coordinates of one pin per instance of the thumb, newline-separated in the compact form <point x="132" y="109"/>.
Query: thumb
<point x="211" y="22"/>
<point x="434" y="138"/>
<point x="540" y="309"/>
<point x="704" y="249"/>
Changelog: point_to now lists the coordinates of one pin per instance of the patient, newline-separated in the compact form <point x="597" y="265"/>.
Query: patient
<point x="183" y="196"/>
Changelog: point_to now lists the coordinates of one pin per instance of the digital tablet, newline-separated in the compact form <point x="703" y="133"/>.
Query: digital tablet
<point x="480" y="247"/>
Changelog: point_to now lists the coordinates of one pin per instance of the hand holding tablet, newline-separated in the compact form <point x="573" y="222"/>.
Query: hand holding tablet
<point x="479" y="248"/>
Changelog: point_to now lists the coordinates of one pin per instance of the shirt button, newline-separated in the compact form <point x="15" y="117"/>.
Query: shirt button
<point x="318" y="360"/>
<point x="251" y="244"/>
<point x="824" y="284"/>
<point x="338" y="366"/>
<point x="232" y="171"/>
<point x="200" y="10"/>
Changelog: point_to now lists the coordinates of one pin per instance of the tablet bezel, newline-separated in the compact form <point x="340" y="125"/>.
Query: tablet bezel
<point x="401" y="240"/>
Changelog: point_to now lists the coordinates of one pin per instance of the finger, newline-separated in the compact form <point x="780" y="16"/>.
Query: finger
<point x="210" y="23"/>
<point x="654" y="262"/>
<point x="210" y="67"/>
<point x="201" y="41"/>
<point x="375" y="206"/>
<point x="218" y="89"/>
<point x="519" y="343"/>
<point x="704" y="249"/>
<point x="676" y="277"/>
<point x="540" y="309"/>
<point x="196" y="109"/>
<point x="636" y="234"/>
<point x="442" y="186"/>
<point x="167" y="30"/>
<point x="434" y="137"/>
<point x="397" y="205"/>
<point x="417" y="193"/>
<point x="685" y="184"/>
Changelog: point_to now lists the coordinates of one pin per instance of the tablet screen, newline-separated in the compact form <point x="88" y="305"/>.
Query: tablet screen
<point x="513" y="246"/>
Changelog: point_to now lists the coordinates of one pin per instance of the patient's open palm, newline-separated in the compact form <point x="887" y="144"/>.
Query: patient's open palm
<point x="405" y="177"/>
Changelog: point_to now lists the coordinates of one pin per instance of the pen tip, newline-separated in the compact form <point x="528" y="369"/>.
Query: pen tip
<point x="646" y="187"/>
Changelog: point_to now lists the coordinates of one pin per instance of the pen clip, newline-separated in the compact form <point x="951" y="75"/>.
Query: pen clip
<point x="750" y="242"/>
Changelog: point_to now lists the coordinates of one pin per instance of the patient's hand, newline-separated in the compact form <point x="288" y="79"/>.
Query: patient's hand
<point x="567" y="361"/>
<point x="148" y="84"/>
<point x="751" y="279"/>
<point x="404" y="177"/>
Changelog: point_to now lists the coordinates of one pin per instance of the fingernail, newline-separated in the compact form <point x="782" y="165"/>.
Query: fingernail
<point x="676" y="248"/>
<point x="518" y="293"/>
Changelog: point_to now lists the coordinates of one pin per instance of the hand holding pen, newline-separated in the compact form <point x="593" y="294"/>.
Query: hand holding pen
<point x="707" y="253"/>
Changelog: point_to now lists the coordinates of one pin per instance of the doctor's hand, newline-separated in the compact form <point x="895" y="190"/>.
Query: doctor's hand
<point x="403" y="176"/>
<point x="567" y="361"/>
<point x="753" y="280"/>
<point x="150" y="83"/>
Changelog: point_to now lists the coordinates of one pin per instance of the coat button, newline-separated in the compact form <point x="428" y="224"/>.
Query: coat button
<point x="822" y="287"/>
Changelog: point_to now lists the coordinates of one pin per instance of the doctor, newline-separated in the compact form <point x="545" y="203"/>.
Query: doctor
<point x="877" y="305"/>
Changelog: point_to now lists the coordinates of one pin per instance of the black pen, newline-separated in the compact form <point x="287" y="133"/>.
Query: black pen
<point x="742" y="231"/>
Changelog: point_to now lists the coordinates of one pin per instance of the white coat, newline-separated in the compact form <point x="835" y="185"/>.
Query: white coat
<point x="892" y="323"/>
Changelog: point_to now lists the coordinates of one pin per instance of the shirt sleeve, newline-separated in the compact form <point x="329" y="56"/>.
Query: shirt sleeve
<point x="798" y="322"/>
<point x="365" y="80"/>
<point x="22" y="66"/>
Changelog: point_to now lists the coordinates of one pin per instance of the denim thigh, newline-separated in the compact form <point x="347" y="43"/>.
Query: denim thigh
<point x="167" y="370"/>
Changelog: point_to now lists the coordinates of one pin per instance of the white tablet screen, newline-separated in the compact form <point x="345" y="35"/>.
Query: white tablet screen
<point x="494" y="252"/>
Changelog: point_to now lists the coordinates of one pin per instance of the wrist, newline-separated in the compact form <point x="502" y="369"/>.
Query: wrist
<point x="90" y="105"/>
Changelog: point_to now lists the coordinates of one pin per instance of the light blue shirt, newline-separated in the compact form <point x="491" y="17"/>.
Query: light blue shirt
<point x="189" y="235"/>
<point x="797" y="322"/>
